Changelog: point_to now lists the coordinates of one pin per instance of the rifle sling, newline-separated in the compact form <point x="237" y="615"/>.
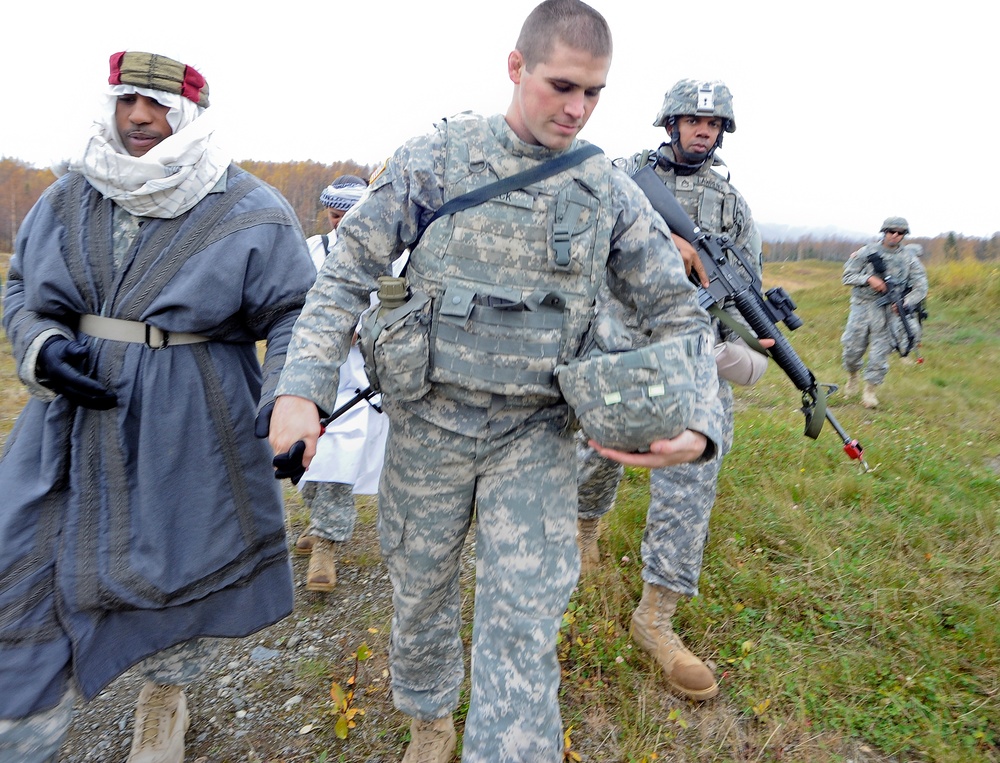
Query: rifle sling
<point x="738" y="328"/>
<point x="815" y="413"/>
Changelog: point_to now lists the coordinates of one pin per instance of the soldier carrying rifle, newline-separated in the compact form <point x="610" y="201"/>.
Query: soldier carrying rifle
<point x="888" y="283"/>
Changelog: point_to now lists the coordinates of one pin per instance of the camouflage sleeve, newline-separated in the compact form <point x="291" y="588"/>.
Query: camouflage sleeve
<point x="857" y="270"/>
<point x="631" y="164"/>
<point x="748" y="239"/>
<point x="384" y="223"/>
<point x="645" y="271"/>
<point x="747" y="235"/>
<point x="916" y="282"/>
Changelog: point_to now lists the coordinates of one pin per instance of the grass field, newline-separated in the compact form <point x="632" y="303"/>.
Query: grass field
<point x="851" y="615"/>
<point x="845" y="610"/>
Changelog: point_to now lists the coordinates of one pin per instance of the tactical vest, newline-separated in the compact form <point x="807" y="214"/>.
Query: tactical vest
<point x="513" y="280"/>
<point x="706" y="197"/>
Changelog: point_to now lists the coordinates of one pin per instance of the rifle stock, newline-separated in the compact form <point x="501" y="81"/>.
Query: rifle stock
<point x="725" y="281"/>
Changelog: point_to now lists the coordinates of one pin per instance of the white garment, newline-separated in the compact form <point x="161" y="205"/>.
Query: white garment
<point x="317" y="250"/>
<point x="352" y="449"/>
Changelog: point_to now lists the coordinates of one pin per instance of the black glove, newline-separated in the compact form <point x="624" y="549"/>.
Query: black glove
<point x="262" y="424"/>
<point x="290" y="464"/>
<point x="61" y="367"/>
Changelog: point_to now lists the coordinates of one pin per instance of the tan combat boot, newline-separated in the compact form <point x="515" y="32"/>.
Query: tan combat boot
<point x="161" y="720"/>
<point x="868" y="399"/>
<point x="653" y="633"/>
<point x="587" y="531"/>
<point x="304" y="545"/>
<point x="322" y="573"/>
<point x="431" y="741"/>
<point x="853" y="385"/>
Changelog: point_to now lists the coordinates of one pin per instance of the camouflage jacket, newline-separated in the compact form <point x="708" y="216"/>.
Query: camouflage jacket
<point x="632" y="248"/>
<point x="901" y="266"/>
<point x="706" y="195"/>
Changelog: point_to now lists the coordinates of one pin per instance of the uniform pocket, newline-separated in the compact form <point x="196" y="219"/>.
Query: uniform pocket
<point x="396" y="347"/>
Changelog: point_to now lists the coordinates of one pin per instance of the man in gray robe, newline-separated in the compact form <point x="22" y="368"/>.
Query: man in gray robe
<point x="141" y="519"/>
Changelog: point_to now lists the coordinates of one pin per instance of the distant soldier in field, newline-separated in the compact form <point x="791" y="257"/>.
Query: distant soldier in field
<point x="874" y="324"/>
<point x="696" y="114"/>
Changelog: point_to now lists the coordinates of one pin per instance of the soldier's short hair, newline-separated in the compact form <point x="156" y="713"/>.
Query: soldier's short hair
<point x="571" y="22"/>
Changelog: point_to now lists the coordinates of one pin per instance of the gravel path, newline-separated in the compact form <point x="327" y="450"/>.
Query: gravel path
<point x="269" y="699"/>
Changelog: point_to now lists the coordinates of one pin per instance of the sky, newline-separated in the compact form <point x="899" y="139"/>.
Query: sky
<point x="847" y="112"/>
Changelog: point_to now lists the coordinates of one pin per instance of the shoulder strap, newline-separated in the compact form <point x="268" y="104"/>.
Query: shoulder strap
<point x="326" y="243"/>
<point x="505" y="185"/>
<point x="512" y="183"/>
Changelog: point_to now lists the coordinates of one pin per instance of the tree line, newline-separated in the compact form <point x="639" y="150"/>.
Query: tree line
<point x="302" y="182"/>
<point x="947" y="247"/>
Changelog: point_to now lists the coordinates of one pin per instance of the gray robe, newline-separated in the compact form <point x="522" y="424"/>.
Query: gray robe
<point x="127" y="531"/>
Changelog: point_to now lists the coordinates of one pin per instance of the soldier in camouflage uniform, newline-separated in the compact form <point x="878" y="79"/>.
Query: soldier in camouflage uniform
<point x="872" y="326"/>
<point x="695" y="114"/>
<point x="500" y="293"/>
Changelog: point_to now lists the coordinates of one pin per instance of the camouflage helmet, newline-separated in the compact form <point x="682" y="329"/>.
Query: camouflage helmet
<point x="691" y="97"/>
<point x="626" y="400"/>
<point x="895" y="223"/>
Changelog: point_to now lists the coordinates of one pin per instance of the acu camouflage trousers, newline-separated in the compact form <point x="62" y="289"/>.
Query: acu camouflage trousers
<point x="680" y="506"/>
<point x="332" y="513"/>
<point x="521" y="484"/>
<point x="868" y="328"/>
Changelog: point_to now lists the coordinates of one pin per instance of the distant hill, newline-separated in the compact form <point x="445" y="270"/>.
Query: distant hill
<point x="776" y="232"/>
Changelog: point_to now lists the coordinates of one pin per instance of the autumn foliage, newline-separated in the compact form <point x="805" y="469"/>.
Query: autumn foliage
<point x="302" y="182"/>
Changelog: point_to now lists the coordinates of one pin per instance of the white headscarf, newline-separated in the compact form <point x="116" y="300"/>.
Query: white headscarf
<point x="167" y="180"/>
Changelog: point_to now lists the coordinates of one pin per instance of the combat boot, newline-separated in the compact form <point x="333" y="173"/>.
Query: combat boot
<point x="431" y="741"/>
<point x="868" y="399"/>
<point x="161" y="720"/>
<point x="653" y="633"/>
<point x="304" y="545"/>
<point x="587" y="531"/>
<point x="853" y="385"/>
<point x="322" y="573"/>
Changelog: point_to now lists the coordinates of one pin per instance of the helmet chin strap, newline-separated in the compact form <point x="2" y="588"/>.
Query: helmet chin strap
<point x="689" y="161"/>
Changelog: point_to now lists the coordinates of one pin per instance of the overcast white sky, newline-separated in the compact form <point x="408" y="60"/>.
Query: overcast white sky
<point x="847" y="112"/>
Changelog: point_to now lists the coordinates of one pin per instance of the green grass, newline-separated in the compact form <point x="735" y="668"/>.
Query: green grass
<point x="844" y="610"/>
<point x="850" y="615"/>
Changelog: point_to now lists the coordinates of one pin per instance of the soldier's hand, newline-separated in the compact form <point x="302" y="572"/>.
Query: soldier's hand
<point x="686" y="447"/>
<point x="877" y="284"/>
<point x="62" y="366"/>
<point x="691" y="260"/>
<point x="293" y="420"/>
